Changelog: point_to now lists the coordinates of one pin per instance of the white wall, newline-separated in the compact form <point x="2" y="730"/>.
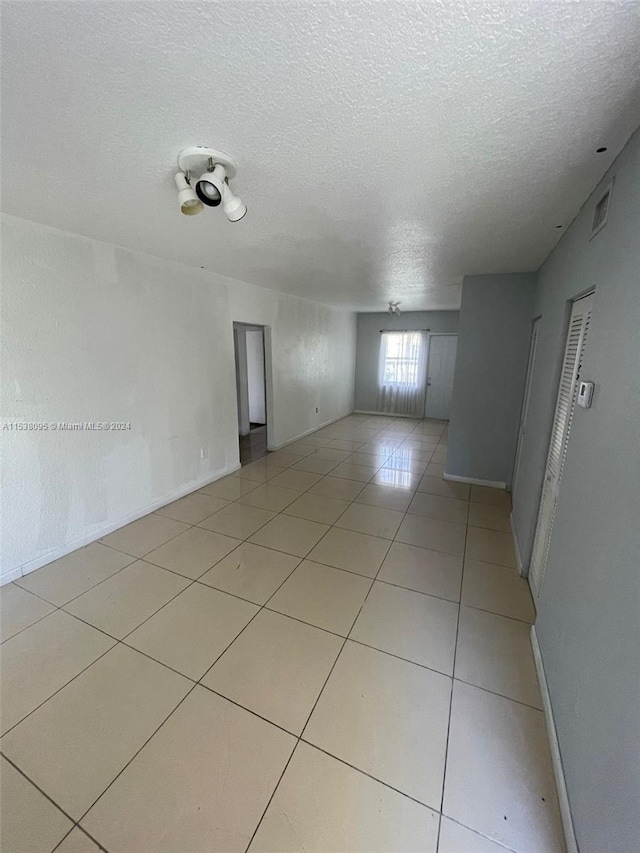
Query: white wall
<point x="255" y="377"/>
<point x="92" y="332"/>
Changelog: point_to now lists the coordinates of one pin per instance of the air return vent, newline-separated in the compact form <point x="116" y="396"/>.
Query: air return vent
<point x="601" y="211"/>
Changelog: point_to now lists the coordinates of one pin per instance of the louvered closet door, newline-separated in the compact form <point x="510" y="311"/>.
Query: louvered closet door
<point x="565" y="407"/>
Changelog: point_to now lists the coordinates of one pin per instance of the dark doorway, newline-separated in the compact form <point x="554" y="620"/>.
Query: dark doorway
<point x="251" y="390"/>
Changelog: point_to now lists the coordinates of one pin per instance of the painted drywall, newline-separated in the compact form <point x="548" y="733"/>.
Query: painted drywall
<point x="368" y="346"/>
<point x="92" y="332"/>
<point x="588" y="621"/>
<point x="493" y="346"/>
<point x="255" y="377"/>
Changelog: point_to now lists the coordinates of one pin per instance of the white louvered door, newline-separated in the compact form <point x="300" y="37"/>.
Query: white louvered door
<point x="565" y="407"/>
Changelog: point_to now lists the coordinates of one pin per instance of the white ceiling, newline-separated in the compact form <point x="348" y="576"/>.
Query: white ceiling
<point x="385" y="148"/>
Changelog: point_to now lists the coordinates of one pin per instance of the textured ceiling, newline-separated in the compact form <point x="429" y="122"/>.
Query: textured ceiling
<point x="385" y="149"/>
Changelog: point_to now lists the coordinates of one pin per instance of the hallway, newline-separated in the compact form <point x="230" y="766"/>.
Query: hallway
<point x="326" y="651"/>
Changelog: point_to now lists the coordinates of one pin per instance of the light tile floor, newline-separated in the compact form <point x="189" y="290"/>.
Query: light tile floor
<point x="327" y="651"/>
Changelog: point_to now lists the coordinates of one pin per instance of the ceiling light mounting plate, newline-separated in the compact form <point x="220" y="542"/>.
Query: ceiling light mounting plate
<point x="195" y="161"/>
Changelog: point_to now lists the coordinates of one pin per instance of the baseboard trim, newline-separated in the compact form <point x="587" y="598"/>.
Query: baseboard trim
<point x="309" y="431"/>
<point x="492" y="484"/>
<point x="554" y="746"/>
<point x="63" y="550"/>
<point x="516" y="547"/>
<point x="395" y="415"/>
<point x="11" y="575"/>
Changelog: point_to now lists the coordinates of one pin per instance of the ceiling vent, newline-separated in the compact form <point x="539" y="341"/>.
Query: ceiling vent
<point x="601" y="210"/>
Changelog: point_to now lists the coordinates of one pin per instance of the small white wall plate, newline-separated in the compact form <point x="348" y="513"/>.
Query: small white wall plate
<point x="585" y="394"/>
<point x="196" y="160"/>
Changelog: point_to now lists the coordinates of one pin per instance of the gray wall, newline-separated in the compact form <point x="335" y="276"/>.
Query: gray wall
<point x="493" y="346"/>
<point x="368" y="345"/>
<point x="588" y="622"/>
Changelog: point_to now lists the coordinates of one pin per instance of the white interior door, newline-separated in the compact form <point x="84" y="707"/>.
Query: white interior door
<point x="565" y="407"/>
<point x="442" y="362"/>
<point x="533" y="348"/>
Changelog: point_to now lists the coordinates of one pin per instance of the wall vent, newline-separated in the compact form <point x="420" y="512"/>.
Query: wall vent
<point x="601" y="210"/>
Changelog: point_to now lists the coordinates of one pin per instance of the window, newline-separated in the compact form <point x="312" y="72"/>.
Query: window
<point x="401" y="358"/>
<point x="402" y="373"/>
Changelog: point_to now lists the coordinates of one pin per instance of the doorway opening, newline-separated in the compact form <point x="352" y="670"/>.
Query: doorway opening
<point x="440" y="369"/>
<point x="251" y="388"/>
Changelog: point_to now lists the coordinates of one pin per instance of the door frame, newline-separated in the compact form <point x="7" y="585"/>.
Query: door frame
<point x="426" y="390"/>
<point x="526" y="398"/>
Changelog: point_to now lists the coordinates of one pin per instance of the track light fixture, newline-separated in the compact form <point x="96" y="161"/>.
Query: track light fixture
<point x="212" y="187"/>
<point x="210" y="184"/>
<point x="232" y="205"/>
<point x="187" y="199"/>
<point x="393" y="309"/>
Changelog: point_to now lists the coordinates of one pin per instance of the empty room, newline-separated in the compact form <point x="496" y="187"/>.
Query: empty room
<point x="320" y="426"/>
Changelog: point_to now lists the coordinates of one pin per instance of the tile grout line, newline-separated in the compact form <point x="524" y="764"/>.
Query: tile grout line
<point x="370" y="776"/>
<point x="190" y="525"/>
<point x="196" y="580"/>
<point x="453" y="672"/>
<point x="66" y="684"/>
<point x="84" y="832"/>
<point x="142" y="559"/>
<point x="271" y="610"/>
<point x="35" y="785"/>
<point x="301" y="736"/>
<point x="191" y="689"/>
<point x="26" y="627"/>
<point x="136" y="753"/>
<point x="477" y="832"/>
<point x="118" y="640"/>
<point x="198" y="523"/>
<point x="75" y="824"/>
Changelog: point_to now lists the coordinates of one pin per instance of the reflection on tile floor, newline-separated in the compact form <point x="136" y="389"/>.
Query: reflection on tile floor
<point x="327" y="651"/>
<point x="253" y="445"/>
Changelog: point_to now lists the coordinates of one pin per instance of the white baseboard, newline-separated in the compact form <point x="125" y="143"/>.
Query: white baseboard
<point x="522" y="569"/>
<point x="63" y="550"/>
<point x="554" y="746"/>
<point x="11" y="575"/>
<point x="390" y="415"/>
<point x="309" y="431"/>
<point x="492" y="484"/>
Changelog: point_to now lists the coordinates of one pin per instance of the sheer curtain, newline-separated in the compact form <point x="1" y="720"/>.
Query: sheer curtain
<point x="402" y="373"/>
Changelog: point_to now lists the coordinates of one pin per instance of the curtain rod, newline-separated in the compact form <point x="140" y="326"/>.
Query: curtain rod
<point x="404" y="330"/>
